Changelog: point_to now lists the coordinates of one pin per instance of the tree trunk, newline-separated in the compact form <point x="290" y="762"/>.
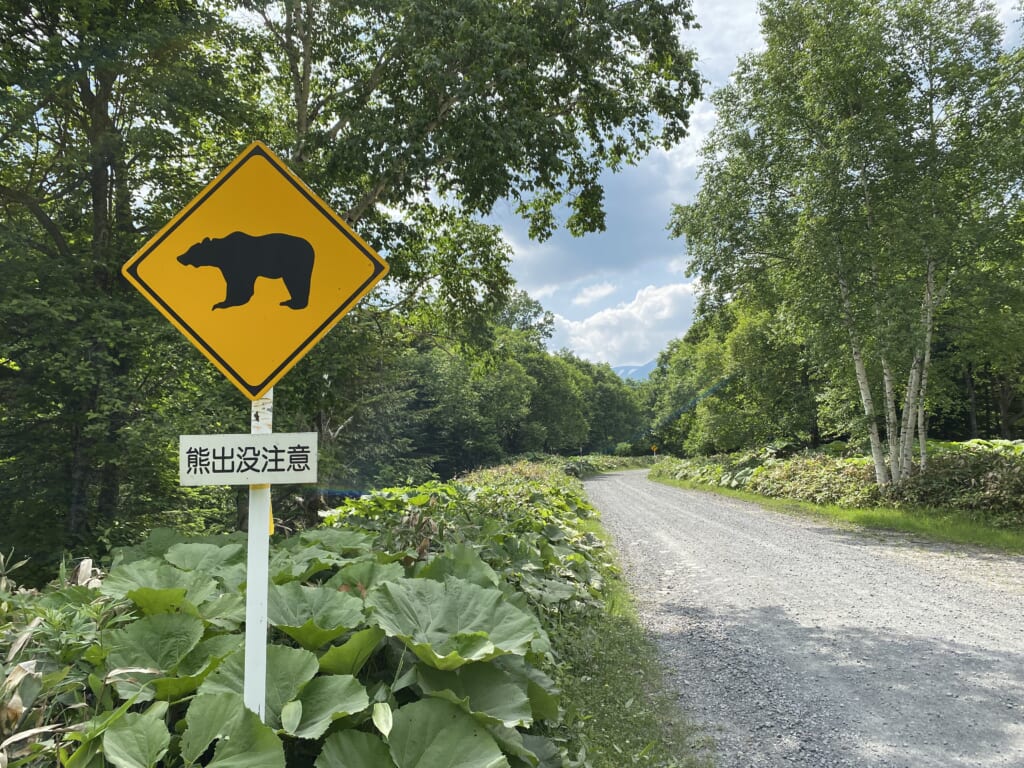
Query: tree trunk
<point x="878" y="457"/>
<point x="909" y="417"/>
<point x="1004" y="399"/>
<point x="972" y="403"/>
<point x="863" y="384"/>
<point x="892" y="424"/>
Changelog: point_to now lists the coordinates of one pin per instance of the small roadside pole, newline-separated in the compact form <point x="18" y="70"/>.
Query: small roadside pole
<point x="254" y="272"/>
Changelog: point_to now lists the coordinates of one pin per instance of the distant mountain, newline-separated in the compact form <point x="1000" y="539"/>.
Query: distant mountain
<point x="635" y="372"/>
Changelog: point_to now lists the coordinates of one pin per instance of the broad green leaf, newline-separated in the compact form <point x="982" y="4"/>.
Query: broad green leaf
<point x="349" y="657"/>
<point x="152" y="601"/>
<point x="436" y="734"/>
<point x="546" y="751"/>
<point x="354" y="749"/>
<point x="463" y="562"/>
<point x="226" y="611"/>
<point x="242" y="741"/>
<point x="323" y="700"/>
<point x="313" y="616"/>
<point x="136" y="741"/>
<point x="288" y="670"/>
<point x="339" y="540"/>
<point x="510" y="741"/>
<point x="482" y="690"/>
<point x="196" y="556"/>
<point x="157" y="642"/>
<point x="195" y="667"/>
<point x="545" y="698"/>
<point x="359" y="578"/>
<point x="158" y="584"/>
<point x="451" y="624"/>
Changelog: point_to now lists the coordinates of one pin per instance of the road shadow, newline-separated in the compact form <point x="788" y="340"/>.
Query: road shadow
<point x="788" y="694"/>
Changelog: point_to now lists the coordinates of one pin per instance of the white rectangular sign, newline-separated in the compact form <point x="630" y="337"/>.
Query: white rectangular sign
<point x="255" y="459"/>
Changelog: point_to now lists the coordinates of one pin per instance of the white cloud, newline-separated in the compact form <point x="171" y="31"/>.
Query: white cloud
<point x="593" y="293"/>
<point x="631" y="333"/>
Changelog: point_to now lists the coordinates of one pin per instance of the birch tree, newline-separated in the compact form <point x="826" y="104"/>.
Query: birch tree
<point x="842" y="175"/>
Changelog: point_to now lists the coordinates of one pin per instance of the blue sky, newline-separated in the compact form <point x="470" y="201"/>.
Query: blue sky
<point x="621" y="295"/>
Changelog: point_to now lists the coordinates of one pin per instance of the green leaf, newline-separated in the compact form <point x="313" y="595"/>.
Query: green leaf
<point x="339" y="540"/>
<point x="153" y="601"/>
<point x="451" y="624"/>
<point x="226" y="611"/>
<point x="545" y="698"/>
<point x="242" y="741"/>
<point x="324" y="700"/>
<point x="349" y="658"/>
<point x="354" y="749"/>
<point x="136" y="741"/>
<point x="158" y="642"/>
<point x="288" y="670"/>
<point x="463" y="562"/>
<point x="383" y="717"/>
<point x="291" y="715"/>
<point x="481" y="689"/>
<point x="313" y="616"/>
<point x="196" y="556"/>
<point x="158" y="584"/>
<point x="359" y="578"/>
<point x="436" y="734"/>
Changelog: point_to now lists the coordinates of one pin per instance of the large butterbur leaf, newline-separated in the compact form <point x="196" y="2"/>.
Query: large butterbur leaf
<point x="150" y="648"/>
<point x="349" y="657"/>
<point x="354" y="749"/>
<point x="200" y="556"/>
<point x="463" y="562"/>
<point x="240" y="739"/>
<point x="436" y="734"/>
<point x="324" y="700"/>
<point x="158" y="587"/>
<point x="452" y="623"/>
<point x="136" y="741"/>
<point x="490" y="694"/>
<point x="313" y="616"/>
<point x="288" y="671"/>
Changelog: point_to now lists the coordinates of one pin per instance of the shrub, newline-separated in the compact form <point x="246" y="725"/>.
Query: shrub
<point x="416" y="618"/>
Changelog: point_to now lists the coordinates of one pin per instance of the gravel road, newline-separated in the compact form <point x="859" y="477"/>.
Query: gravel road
<point x="794" y="642"/>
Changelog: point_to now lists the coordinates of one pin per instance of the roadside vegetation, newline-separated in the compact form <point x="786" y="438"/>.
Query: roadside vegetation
<point x="477" y="623"/>
<point x="973" y="492"/>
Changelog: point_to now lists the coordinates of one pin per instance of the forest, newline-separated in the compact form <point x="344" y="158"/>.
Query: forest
<point x="857" y="238"/>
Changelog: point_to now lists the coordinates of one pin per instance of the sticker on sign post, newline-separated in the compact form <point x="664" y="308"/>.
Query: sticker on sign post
<point x="272" y="458"/>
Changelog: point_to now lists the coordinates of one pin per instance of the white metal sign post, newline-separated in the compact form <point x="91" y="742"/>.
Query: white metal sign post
<point x="258" y="572"/>
<point x="258" y="460"/>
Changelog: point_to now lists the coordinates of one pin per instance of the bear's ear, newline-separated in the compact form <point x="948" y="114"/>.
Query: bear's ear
<point x="206" y="240"/>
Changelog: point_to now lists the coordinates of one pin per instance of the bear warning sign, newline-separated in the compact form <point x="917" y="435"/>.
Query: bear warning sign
<point x="255" y="270"/>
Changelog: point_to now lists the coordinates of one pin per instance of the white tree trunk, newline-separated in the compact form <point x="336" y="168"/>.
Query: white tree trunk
<point x="892" y="424"/>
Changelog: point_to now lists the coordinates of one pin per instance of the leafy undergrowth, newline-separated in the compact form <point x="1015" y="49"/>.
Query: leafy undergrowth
<point x="972" y="492"/>
<point x="417" y="628"/>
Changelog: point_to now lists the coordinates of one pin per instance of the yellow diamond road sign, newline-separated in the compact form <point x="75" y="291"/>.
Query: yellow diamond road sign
<point x="255" y="270"/>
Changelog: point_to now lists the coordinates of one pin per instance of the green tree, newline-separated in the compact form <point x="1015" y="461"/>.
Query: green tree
<point x="840" y="179"/>
<point x="104" y="109"/>
<point x="476" y="101"/>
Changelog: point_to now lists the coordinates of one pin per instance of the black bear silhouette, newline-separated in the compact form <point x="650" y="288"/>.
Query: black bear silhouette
<point x="242" y="258"/>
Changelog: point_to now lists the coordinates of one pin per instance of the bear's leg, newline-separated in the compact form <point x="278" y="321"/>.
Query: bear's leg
<point x="239" y="291"/>
<point x="297" y="284"/>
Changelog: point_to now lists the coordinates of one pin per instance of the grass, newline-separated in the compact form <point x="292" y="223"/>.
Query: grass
<point x="614" y="689"/>
<point x="940" y="525"/>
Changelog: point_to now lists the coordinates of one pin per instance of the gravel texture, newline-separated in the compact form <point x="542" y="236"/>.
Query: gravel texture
<point x="794" y="642"/>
